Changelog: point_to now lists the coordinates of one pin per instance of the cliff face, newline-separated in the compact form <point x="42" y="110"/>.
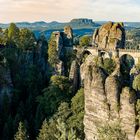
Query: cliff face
<point x="96" y="108"/>
<point x="106" y="105"/>
<point x="68" y="36"/>
<point x="127" y="112"/>
<point x="109" y="36"/>
<point x="74" y="75"/>
<point x="109" y="107"/>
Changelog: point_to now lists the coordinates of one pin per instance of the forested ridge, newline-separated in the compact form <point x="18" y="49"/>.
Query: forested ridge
<point x="37" y="104"/>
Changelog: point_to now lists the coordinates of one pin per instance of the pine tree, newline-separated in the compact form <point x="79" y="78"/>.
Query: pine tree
<point x="43" y="131"/>
<point x="21" y="133"/>
<point x="64" y="133"/>
<point x="13" y="35"/>
<point x="72" y="135"/>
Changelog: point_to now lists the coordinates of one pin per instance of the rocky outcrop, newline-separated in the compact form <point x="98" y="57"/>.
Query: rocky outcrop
<point x="88" y="61"/>
<point x="96" y="108"/>
<point x="127" y="112"/>
<point x="112" y="89"/>
<point x="56" y="36"/>
<point x="59" y="68"/>
<point x="109" y="36"/>
<point x="68" y="36"/>
<point x="64" y="47"/>
<point x="63" y="39"/>
<point x="74" y="75"/>
<point x="137" y="136"/>
<point x="105" y="104"/>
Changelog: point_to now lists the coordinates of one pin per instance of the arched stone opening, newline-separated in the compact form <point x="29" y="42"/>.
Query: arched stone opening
<point x="127" y="62"/>
<point x="84" y="55"/>
<point x="104" y="54"/>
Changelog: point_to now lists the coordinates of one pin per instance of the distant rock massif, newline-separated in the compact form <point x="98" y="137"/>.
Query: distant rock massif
<point x="74" y="23"/>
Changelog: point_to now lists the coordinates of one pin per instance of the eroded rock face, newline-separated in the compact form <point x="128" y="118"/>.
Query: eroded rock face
<point x="127" y="112"/>
<point x="68" y="36"/>
<point x="106" y="103"/>
<point x="112" y="89"/>
<point x="57" y="37"/>
<point x="137" y="137"/>
<point x="64" y="45"/>
<point x="96" y="108"/>
<point x="74" y="75"/>
<point x="109" y="36"/>
<point x="59" y="69"/>
<point x="89" y="61"/>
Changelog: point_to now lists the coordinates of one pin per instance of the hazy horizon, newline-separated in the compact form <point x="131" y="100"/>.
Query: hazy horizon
<point x="64" y="11"/>
<point x="65" y="21"/>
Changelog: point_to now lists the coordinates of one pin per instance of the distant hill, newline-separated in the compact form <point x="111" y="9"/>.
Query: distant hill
<point x="41" y="25"/>
<point x="128" y="25"/>
<point x="77" y="32"/>
<point x="132" y="24"/>
<point x="81" y="23"/>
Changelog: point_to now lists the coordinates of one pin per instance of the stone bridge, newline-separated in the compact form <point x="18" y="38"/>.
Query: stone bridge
<point x="108" y="53"/>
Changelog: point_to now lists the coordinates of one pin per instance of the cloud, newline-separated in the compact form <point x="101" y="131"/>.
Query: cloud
<point x="64" y="10"/>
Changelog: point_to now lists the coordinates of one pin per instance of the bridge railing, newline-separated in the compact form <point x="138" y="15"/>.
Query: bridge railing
<point x="106" y="49"/>
<point x="129" y="50"/>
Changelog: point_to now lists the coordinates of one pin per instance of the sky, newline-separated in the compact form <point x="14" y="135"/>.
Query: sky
<point x="65" y="10"/>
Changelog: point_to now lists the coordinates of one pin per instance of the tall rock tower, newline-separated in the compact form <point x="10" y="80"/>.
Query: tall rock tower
<point x="64" y="44"/>
<point x="109" y="36"/>
<point x="68" y="36"/>
<point x="109" y="107"/>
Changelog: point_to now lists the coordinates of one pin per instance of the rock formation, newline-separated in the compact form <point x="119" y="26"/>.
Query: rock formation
<point x="96" y="108"/>
<point x="104" y="103"/>
<point x="112" y="89"/>
<point x="63" y="39"/>
<point x="107" y="103"/>
<point x="127" y="112"/>
<point x="64" y="45"/>
<point x="137" y="137"/>
<point x="74" y="76"/>
<point x="68" y="36"/>
<point x="109" y="36"/>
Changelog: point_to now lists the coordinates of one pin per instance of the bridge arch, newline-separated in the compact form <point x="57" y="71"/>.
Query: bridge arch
<point x="127" y="59"/>
<point x="84" y="55"/>
<point x="127" y="62"/>
<point x="86" y="52"/>
<point x="104" y="54"/>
